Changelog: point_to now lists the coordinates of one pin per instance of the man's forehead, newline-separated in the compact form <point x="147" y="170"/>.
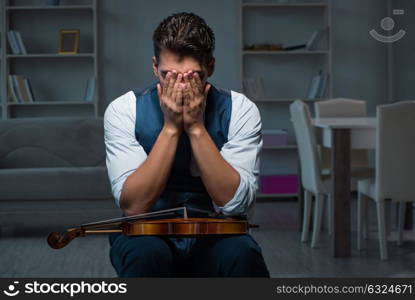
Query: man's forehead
<point x="169" y="61"/>
<point x="163" y="70"/>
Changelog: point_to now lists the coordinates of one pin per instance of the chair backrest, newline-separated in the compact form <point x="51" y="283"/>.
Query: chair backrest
<point x="395" y="151"/>
<point x="340" y="107"/>
<point x="307" y="147"/>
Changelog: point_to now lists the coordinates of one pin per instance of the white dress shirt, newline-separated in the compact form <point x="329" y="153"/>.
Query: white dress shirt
<point x="241" y="151"/>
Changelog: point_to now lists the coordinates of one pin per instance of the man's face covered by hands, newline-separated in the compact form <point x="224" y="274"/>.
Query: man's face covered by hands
<point x="182" y="89"/>
<point x="169" y="62"/>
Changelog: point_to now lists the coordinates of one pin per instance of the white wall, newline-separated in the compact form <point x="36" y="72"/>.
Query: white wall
<point x="126" y="41"/>
<point x="359" y="62"/>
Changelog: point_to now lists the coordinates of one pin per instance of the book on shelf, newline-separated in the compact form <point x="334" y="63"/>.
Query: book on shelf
<point x="295" y="47"/>
<point x="90" y="89"/>
<point x="22" y="87"/>
<point x="12" y="42"/>
<point x="16" y="42"/>
<point x="20" y="90"/>
<point x="20" y="43"/>
<point x="323" y="85"/>
<point x="315" y="39"/>
<point x="17" y="89"/>
<point x="254" y="87"/>
<point x="11" y="90"/>
<point x="318" y="85"/>
<point x="28" y="86"/>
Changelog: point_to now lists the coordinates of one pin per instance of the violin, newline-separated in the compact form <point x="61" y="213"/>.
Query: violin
<point x="153" y="223"/>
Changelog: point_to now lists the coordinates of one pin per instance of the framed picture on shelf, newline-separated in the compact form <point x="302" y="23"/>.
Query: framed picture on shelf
<point x="69" y="41"/>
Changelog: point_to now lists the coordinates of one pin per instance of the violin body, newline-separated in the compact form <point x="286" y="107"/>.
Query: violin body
<point x="184" y="227"/>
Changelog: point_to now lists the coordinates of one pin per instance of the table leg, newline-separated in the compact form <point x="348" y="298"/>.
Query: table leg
<point x="341" y="244"/>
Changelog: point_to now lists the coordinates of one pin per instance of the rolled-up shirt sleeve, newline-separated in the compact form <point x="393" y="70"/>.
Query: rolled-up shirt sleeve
<point x="242" y="152"/>
<point x="124" y="154"/>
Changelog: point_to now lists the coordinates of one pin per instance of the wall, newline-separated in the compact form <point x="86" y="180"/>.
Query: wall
<point x="359" y="61"/>
<point x="126" y="41"/>
<point x="403" y="58"/>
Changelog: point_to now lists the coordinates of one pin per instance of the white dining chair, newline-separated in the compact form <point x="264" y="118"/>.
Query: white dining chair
<point x="312" y="180"/>
<point x="395" y="169"/>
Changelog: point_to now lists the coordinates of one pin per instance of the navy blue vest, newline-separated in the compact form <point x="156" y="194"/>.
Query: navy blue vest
<point x="182" y="188"/>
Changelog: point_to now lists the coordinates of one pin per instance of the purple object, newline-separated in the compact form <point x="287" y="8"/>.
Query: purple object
<point x="275" y="138"/>
<point x="278" y="184"/>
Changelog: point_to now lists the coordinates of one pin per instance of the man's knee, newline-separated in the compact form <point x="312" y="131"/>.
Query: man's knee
<point x="141" y="256"/>
<point x="242" y="256"/>
<point x="241" y="248"/>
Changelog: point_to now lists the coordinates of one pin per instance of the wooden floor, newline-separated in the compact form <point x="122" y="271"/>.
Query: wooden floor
<point x="28" y="255"/>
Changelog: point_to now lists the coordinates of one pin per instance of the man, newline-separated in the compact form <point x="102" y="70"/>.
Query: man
<point x="183" y="142"/>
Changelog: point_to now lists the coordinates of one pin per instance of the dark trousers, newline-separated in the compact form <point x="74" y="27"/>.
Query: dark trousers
<point x="218" y="256"/>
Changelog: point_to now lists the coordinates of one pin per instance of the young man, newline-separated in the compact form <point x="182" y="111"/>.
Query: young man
<point x="183" y="142"/>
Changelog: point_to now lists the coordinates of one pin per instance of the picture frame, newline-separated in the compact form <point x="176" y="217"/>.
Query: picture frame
<point x="69" y="41"/>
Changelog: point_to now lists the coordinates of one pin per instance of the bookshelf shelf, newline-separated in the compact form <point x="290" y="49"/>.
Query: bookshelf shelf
<point x="249" y="52"/>
<point x="48" y="8"/>
<point x="81" y="55"/>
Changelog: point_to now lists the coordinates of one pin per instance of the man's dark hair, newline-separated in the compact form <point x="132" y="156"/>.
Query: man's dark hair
<point x="185" y="34"/>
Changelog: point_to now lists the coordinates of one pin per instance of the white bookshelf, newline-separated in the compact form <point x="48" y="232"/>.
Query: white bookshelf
<point x="256" y="22"/>
<point x="53" y="76"/>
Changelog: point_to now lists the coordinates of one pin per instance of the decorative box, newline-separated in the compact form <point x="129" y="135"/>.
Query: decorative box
<point x="278" y="184"/>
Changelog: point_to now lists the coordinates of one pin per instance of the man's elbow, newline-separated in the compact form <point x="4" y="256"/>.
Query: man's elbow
<point x="133" y="204"/>
<point x="133" y="208"/>
<point x="242" y="201"/>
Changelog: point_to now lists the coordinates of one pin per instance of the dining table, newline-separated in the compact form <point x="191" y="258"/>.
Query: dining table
<point x="341" y="135"/>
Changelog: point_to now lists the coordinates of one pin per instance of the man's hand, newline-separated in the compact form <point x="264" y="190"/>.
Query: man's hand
<point x="194" y="101"/>
<point x="171" y="101"/>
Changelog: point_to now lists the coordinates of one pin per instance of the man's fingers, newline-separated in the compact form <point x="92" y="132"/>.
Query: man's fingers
<point x="198" y="82"/>
<point x="179" y="97"/>
<point x="194" y="84"/>
<point x="166" y="83"/>
<point x="176" y="89"/>
<point x="172" y="82"/>
<point x="189" y="86"/>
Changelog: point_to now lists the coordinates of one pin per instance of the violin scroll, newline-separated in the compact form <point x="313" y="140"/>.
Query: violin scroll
<point x="58" y="241"/>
